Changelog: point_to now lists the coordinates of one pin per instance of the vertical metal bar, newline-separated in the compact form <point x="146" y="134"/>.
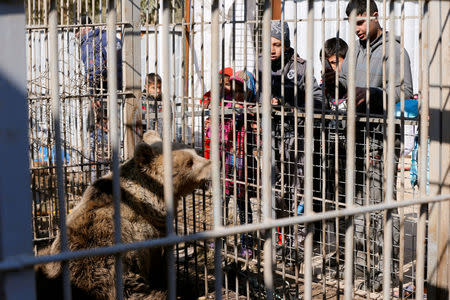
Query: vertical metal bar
<point x="309" y="119"/>
<point x="350" y="163"/>
<point x="402" y="149"/>
<point x="167" y="146"/>
<point x="131" y="75"/>
<point x="114" y="135"/>
<point x="282" y="145"/>
<point x="54" y="90"/>
<point x="266" y="150"/>
<point x="203" y="130"/>
<point x="424" y="113"/>
<point x="296" y="152"/>
<point x="367" y="151"/>
<point x="390" y="163"/>
<point x="323" y="157"/>
<point x="185" y="66"/>
<point x="191" y="39"/>
<point x="215" y="160"/>
<point x="438" y="244"/>
<point x="15" y="216"/>
<point x="336" y="160"/>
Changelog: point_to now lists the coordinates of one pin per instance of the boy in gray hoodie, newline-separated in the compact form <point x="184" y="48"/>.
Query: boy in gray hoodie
<point x="371" y="35"/>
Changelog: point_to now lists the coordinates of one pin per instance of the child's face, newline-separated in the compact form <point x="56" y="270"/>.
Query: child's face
<point x="154" y="89"/>
<point x="254" y="127"/>
<point x="226" y="83"/>
<point x="361" y="28"/>
<point x="336" y="63"/>
<point x="239" y="93"/>
<point x="276" y="49"/>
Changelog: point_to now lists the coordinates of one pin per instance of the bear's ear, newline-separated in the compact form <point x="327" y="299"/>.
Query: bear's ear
<point x="145" y="153"/>
<point x="151" y="137"/>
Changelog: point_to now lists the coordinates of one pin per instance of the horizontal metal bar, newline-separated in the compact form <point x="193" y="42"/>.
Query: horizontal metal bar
<point x="29" y="27"/>
<point x="44" y="97"/>
<point x="331" y="116"/>
<point x="20" y="262"/>
<point x="180" y="24"/>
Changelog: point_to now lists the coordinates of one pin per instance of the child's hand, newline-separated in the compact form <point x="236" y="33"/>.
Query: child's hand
<point x="207" y="123"/>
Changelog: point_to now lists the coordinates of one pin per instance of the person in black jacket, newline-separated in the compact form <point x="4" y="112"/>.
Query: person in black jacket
<point x="288" y="90"/>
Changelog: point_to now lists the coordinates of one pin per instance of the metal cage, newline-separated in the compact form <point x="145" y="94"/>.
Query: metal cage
<point x="311" y="196"/>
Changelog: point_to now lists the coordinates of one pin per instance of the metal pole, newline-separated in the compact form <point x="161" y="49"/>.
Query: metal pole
<point x="389" y="167"/>
<point x="367" y="150"/>
<point x="215" y="160"/>
<point x="309" y="119"/>
<point x="114" y="135"/>
<point x="402" y="149"/>
<point x="15" y="196"/>
<point x="266" y="149"/>
<point x="350" y="164"/>
<point x="424" y="113"/>
<point x="167" y="146"/>
<point x="54" y="91"/>
<point x="131" y="74"/>
<point x="20" y="262"/>
<point x="438" y="271"/>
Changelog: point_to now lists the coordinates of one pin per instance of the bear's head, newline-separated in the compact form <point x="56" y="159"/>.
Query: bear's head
<point x="189" y="170"/>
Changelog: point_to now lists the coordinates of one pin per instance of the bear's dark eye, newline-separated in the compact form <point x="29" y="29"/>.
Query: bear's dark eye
<point x="189" y="163"/>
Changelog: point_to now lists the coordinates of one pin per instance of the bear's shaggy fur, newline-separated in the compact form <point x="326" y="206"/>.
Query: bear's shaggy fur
<point x="143" y="213"/>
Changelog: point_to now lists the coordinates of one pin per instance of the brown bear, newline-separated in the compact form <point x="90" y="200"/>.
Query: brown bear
<point x="143" y="214"/>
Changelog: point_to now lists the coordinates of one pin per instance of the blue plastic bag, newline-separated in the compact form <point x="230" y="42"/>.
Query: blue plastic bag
<point x="411" y="109"/>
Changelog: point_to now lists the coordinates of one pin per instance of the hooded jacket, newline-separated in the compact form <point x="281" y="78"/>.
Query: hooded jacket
<point x="287" y="70"/>
<point x="376" y="72"/>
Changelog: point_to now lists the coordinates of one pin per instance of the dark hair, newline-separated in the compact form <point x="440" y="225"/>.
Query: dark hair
<point x="84" y="19"/>
<point x="361" y="7"/>
<point x="153" y="78"/>
<point x="334" y="46"/>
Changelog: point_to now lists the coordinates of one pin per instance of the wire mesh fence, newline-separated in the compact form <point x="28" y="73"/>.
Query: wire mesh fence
<point x="319" y="174"/>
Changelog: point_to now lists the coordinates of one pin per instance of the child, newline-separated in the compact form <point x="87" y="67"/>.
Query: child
<point x="370" y="35"/>
<point x="206" y="101"/>
<point x="227" y="74"/>
<point x="151" y="99"/>
<point x="335" y="50"/>
<point x="234" y="150"/>
<point x="235" y="162"/>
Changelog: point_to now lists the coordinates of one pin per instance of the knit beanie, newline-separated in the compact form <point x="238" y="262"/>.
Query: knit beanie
<point x="275" y="31"/>
<point x="246" y="78"/>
